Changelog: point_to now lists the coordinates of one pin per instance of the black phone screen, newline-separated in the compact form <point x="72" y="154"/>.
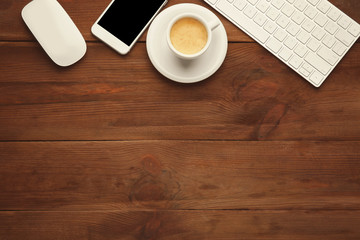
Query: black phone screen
<point x="126" y="18"/>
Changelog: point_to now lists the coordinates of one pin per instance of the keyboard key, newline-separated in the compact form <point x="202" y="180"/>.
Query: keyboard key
<point x="285" y="53"/>
<point x="278" y="3"/>
<point x="318" y="63"/>
<point x="250" y="11"/>
<point x="290" y="42"/>
<point x="313" y="44"/>
<point x="260" y="19"/>
<point x="295" y="61"/>
<point x="344" y="21"/>
<point x="270" y="27"/>
<point x="301" y="50"/>
<point x="263" y="6"/>
<point x="240" y="4"/>
<point x="274" y="45"/>
<point x="300" y="5"/>
<point x="318" y="33"/>
<point x="298" y="17"/>
<point x="339" y="48"/>
<point x="354" y="29"/>
<point x="248" y="25"/>
<point x="308" y="25"/>
<point x="311" y="12"/>
<point x="334" y="14"/>
<point x="283" y="21"/>
<point x="272" y="14"/>
<point x="293" y="29"/>
<point x="304" y="72"/>
<point x="329" y="41"/>
<point x="324" y="6"/>
<point x="280" y="35"/>
<point x="331" y="27"/>
<point x="320" y="19"/>
<point x="344" y="37"/>
<point x="316" y="77"/>
<point x="288" y="10"/>
<point x="303" y="37"/>
<point x="328" y="55"/>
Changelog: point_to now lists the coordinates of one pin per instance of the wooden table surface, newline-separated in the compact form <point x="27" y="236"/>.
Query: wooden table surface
<point x="110" y="149"/>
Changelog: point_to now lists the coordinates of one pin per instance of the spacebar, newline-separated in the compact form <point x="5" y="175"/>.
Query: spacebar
<point x="244" y="22"/>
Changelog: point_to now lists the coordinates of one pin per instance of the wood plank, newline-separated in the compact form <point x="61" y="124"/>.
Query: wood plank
<point x="253" y="96"/>
<point x="84" y="14"/>
<point x="179" y="175"/>
<point x="259" y="225"/>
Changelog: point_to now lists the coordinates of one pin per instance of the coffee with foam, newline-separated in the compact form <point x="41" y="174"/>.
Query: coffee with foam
<point x="188" y="35"/>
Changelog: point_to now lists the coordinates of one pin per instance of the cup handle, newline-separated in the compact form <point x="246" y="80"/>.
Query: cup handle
<point x="214" y="24"/>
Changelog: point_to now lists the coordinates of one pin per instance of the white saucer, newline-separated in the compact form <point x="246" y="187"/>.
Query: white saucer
<point x="173" y="67"/>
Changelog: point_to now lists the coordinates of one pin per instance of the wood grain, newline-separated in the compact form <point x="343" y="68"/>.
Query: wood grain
<point x="108" y="97"/>
<point x="179" y="175"/>
<point x="84" y="14"/>
<point x="130" y="225"/>
<point x="253" y="152"/>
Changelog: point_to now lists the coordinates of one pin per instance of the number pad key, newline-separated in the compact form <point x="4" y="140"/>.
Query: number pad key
<point x="354" y="29"/>
<point x="344" y="22"/>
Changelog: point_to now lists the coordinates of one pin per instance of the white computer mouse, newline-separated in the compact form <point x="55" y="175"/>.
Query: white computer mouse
<point x="55" y="31"/>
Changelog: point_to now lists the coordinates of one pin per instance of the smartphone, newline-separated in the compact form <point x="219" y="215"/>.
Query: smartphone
<point x="123" y="22"/>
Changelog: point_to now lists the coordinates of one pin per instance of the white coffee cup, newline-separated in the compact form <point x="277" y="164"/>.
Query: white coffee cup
<point x="186" y="35"/>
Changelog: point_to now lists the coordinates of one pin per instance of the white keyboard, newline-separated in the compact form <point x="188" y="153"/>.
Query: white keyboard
<point x="310" y="36"/>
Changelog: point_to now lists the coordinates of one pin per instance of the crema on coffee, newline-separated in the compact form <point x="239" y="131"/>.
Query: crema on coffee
<point x="188" y="35"/>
